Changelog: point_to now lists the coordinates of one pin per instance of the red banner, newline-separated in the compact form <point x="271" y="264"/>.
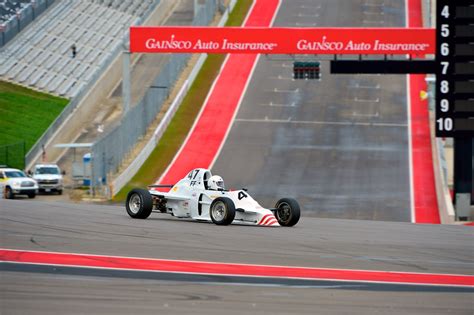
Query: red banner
<point x="277" y="40"/>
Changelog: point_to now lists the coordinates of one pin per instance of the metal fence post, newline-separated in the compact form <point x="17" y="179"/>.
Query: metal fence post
<point x="24" y="154"/>
<point x="92" y="181"/>
<point x="126" y="81"/>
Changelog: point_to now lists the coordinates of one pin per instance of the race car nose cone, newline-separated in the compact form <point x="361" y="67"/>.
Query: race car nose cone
<point x="268" y="220"/>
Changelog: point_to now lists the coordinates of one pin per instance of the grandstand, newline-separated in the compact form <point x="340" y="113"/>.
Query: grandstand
<point x="9" y="9"/>
<point x="42" y="56"/>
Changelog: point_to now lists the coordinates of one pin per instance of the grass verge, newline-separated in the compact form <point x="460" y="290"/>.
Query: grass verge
<point x="25" y="114"/>
<point x="184" y="118"/>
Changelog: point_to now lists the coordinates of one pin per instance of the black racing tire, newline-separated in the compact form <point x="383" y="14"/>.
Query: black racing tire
<point x="31" y="195"/>
<point x="9" y="193"/>
<point x="139" y="203"/>
<point x="60" y="191"/>
<point x="287" y="211"/>
<point x="222" y="211"/>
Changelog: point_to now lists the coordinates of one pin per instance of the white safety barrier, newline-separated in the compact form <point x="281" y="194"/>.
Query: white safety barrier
<point x="445" y="203"/>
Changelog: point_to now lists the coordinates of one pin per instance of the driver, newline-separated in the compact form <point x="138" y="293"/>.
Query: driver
<point x="216" y="183"/>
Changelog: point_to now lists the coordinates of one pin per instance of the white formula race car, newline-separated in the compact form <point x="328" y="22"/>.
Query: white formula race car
<point x="203" y="197"/>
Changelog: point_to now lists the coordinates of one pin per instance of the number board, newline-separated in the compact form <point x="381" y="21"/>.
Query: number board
<point x="455" y="68"/>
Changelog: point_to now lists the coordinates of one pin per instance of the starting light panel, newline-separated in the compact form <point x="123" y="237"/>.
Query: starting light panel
<point x="306" y="70"/>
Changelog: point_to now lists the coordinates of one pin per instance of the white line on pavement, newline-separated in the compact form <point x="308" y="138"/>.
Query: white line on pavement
<point x="315" y="122"/>
<point x="279" y="105"/>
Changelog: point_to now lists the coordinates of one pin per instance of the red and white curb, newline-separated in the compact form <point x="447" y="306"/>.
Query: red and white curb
<point x="231" y="269"/>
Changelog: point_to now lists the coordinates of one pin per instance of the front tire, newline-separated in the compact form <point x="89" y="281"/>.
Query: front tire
<point x="9" y="193"/>
<point x="222" y="211"/>
<point x="139" y="203"/>
<point x="287" y="211"/>
<point x="31" y="195"/>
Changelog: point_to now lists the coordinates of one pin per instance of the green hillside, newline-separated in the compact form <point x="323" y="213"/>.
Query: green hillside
<point x="25" y="114"/>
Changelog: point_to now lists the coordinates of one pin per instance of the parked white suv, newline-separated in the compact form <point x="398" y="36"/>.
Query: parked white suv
<point x="49" y="177"/>
<point x="15" y="182"/>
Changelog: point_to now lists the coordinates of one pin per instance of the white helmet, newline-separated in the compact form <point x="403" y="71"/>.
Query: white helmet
<point x="216" y="183"/>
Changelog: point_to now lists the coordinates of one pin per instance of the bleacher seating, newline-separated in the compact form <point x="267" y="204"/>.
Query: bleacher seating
<point x="41" y="56"/>
<point x="10" y="8"/>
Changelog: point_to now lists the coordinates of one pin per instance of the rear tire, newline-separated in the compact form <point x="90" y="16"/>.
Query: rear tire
<point x="31" y="195"/>
<point x="287" y="211"/>
<point x="139" y="203"/>
<point x="222" y="211"/>
<point x="60" y="192"/>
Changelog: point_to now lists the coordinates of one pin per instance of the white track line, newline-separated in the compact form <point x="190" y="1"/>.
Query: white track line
<point x="275" y="90"/>
<point x="377" y="100"/>
<point x="369" y="87"/>
<point x="365" y="115"/>
<point x="280" y="77"/>
<point x="279" y="105"/>
<point x="316" y="122"/>
<point x="308" y="15"/>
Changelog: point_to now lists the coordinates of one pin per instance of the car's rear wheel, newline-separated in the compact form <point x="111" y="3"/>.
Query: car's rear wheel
<point x="31" y="195"/>
<point x="287" y="211"/>
<point x="139" y="203"/>
<point x="222" y="211"/>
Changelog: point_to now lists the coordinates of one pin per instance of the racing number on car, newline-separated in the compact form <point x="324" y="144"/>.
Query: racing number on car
<point x="193" y="174"/>
<point x="241" y="195"/>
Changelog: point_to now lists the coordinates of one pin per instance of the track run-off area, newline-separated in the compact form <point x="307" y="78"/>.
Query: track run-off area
<point x="86" y="258"/>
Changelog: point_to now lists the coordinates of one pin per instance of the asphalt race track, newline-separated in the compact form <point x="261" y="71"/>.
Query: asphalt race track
<point x="322" y="243"/>
<point x="340" y="145"/>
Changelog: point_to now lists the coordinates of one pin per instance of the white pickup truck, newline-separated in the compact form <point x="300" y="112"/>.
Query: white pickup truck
<point x="15" y="182"/>
<point x="49" y="177"/>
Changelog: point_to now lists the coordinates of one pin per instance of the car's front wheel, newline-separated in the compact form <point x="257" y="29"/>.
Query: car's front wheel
<point x="139" y="203"/>
<point x="287" y="211"/>
<point x="31" y="195"/>
<point x="222" y="211"/>
<point x="9" y="193"/>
